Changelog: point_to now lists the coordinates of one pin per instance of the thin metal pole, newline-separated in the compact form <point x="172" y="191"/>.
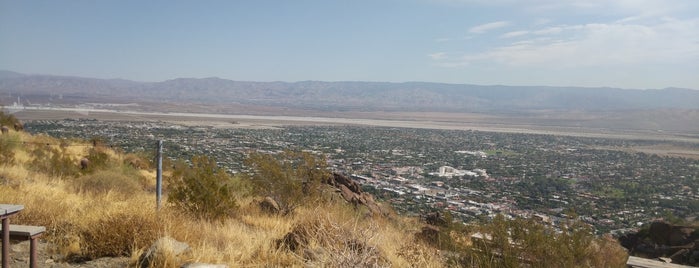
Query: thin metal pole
<point x="159" y="174"/>
<point x="32" y="252"/>
<point x="6" y="242"/>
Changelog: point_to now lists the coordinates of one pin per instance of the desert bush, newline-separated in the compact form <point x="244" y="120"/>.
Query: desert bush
<point x="8" y="144"/>
<point x="8" y="120"/>
<point x="290" y="178"/>
<point x="98" y="157"/>
<point x="326" y="241"/>
<point x="112" y="180"/>
<point x="53" y="161"/>
<point x="528" y="243"/>
<point x="138" y="161"/>
<point x="118" y="234"/>
<point x="202" y="189"/>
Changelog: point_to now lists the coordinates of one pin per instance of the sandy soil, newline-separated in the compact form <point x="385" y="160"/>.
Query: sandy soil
<point x="19" y="257"/>
<point x="450" y="121"/>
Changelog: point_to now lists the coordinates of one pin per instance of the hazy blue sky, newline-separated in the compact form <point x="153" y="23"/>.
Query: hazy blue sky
<point x="622" y="43"/>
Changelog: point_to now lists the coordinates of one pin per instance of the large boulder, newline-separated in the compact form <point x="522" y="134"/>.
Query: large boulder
<point x="164" y="250"/>
<point x="352" y="193"/>
<point x="664" y="240"/>
<point x="348" y="195"/>
<point x="270" y="206"/>
<point x="665" y="233"/>
<point x="341" y="179"/>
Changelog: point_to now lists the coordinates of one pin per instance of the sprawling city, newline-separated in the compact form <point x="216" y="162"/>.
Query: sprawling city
<point x="473" y="174"/>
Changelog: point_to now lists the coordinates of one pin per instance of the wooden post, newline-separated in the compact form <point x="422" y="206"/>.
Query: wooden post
<point x="159" y="174"/>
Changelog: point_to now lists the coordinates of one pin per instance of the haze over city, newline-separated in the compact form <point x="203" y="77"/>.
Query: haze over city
<point x="627" y="44"/>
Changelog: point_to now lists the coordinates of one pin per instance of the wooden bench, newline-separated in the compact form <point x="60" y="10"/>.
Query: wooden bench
<point x="636" y="262"/>
<point x="26" y="232"/>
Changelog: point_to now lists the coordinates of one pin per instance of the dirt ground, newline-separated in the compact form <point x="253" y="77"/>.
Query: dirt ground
<point x="19" y="257"/>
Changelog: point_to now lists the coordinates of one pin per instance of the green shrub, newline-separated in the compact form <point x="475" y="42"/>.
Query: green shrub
<point x="289" y="177"/>
<point x="203" y="189"/>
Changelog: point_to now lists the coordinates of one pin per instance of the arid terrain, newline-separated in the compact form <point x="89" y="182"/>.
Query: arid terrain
<point x="540" y="123"/>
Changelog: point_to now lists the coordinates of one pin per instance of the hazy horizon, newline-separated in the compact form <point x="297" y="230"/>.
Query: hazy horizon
<point x="622" y="44"/>
<point x="347" y="81"/>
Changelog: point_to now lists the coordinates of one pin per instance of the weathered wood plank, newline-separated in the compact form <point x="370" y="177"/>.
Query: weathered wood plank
<point x="25" y="231"/>
<point x="648" y="263"/>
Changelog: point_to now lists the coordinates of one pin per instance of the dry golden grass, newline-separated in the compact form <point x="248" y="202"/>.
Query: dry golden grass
<point x="111" y="212"/>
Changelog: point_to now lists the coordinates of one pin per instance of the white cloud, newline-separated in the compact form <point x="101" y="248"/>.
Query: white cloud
<point x="514" y="34"/>
<point x="488" y="27"/>
<point x="438" y="56"/>
<point x="549" y="30"/>
<point x="599" y="44"/>
<point x="619" y="7"/>
<point x="542" y="21"/>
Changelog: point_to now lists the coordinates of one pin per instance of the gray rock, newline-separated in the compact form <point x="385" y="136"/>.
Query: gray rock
<point x="164" y="246"/>
<point x="269" y="205"/>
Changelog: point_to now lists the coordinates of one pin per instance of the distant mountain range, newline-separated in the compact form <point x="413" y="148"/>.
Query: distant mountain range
<point x="369" y="96"/>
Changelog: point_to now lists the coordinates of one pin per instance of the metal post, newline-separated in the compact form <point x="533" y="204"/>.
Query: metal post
<point x="159" y="174"/>
<point x="6" y="242"/>
<point x="32" y="252"/>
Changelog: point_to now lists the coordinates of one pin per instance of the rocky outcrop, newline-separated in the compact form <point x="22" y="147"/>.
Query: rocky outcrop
<point x="664" y="233"/>
<point x="352" y="192"/>
<point x="664" y="240"/>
